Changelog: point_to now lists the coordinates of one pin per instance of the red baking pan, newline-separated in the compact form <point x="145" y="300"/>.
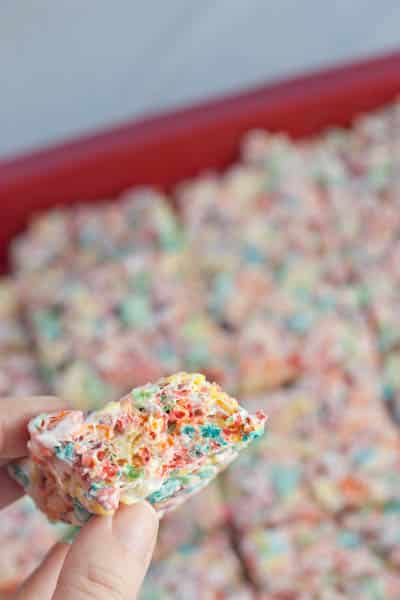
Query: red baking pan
<point x="165" y="149"/>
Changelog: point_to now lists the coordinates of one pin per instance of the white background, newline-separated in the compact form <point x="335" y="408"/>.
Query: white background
<point x="68" y="66"/>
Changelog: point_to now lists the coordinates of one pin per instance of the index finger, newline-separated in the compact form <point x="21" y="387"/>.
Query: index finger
<point x="15" y="413"/>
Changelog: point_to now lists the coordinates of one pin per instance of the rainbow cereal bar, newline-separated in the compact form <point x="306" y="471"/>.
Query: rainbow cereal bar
<point x="162" y="442"/>
<point x="206" y="571"/>
<point x="292" y="336"/>
<point x="268" y="486"/>
<point x="324" y="561"/>
<point x="358" y="462"/>
<point x="120" y="325"/>
<point x="141" y="220"/>
<point x="380" y="529"/>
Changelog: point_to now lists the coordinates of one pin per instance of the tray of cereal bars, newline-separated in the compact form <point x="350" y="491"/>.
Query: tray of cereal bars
<point x="249" y="245"/>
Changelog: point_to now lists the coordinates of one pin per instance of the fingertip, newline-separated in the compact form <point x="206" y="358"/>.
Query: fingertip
<point x="111" y="554"/>
<point x="43" y="581"/>
<point x="10" y="490"/>
<point x="141" y="509"/>
<point x="136" y="526"/>
<point x="15" y="414"/>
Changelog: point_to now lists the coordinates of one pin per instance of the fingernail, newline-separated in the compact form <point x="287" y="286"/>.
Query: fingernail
<point x="136" y="527"/>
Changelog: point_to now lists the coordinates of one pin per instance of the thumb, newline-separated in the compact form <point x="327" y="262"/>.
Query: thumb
<point x="110" y="556"/>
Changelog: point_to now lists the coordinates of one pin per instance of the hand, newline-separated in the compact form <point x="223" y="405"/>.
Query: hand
<point x="110" y="555"/>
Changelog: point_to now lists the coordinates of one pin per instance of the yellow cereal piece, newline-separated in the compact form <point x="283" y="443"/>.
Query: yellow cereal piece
<point x="227" y="403"/>
<point x="326" y="492"/>
<point x="198" y="379"/>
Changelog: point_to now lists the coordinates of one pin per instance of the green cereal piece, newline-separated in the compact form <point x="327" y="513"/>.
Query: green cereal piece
<point x="133" y="473"/>
<point x="189" y="430"/>
<point x="221" y="291"/>
<point x="171" y="238"/>
<point x="95" y="388"/>
<point x="167" y="489"/>
<point x="70" y="535"/>
<point x="213" y="432"/>
<point x="48" y="375"/>
<point x="388" y="337"/>
<point x="349" y="539"/>
<point x="252" y="255"/>
<point x="80" y="511"/>
<point x="166" y="353"/>
<point x="372" y="589"/>
<point x="99" y="326"/>
<point x="207" y="472"/>
<point x="280" y="274"/>
<point x="48" y="324"/>
<point x="300" y="322"/>
<point x="136" y="310"/>
<point x="254" y="435"/>
<point x="197" y="357"/>
<point x="392" y="507"/>
<point x="285" y="479"/>
<point x="349" y="344"/>
<point x="392" y="371"/>
<point x="275" y="544"/>
<point x="388" y="392"/>
<point x="184" y="479"/>
<point x="364" y="295"/>
<point x="378" y="176"/>
<point x="171" y="235"/>
<point x="210" y="431"/>
<point x="194" y="328"/>
<point x="325" y="303"/>
<point x="20" y="475"/>
<point x="65" y="452"/>
<point x="151" y="591"/>
<point x="36" y="421"/>
<point x="145" y="392"/>
<point x="95" y="486"/>
<point x="363" y="456"/>
<point x="140" y="283"/>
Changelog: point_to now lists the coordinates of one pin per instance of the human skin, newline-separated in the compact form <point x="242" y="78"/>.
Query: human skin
<point x="110" y="556"/>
